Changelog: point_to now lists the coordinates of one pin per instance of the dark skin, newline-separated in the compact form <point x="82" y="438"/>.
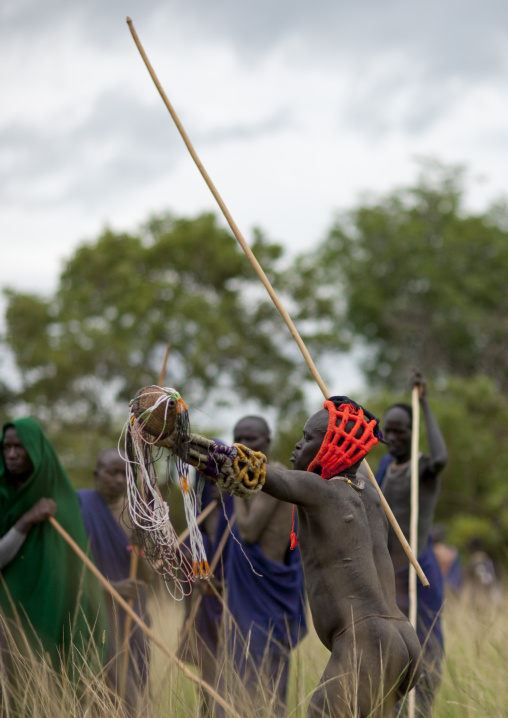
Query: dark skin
<point x="350" y="585"/>
<point x="262" y="518"/>
<point x="18" y="463"/>
<point x="397" y="431"/>
<point x="111" y="483"/>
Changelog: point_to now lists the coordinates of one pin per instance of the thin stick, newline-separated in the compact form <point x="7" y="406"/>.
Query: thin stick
<point x="199" y="599"/>
<point x="413" y="527"/>
<point x="162" y="375"/>
<point x="259" y="271"/>
<point x="153" y="637"/>
<point x="199" y="519"/>
<point x="127" y="627"/>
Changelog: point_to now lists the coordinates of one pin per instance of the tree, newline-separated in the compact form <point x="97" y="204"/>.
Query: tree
<point x="120" y="299"/>
<point x="417" y="281"/>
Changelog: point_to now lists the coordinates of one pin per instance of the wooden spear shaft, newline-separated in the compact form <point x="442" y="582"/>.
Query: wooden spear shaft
<point x="151" y="635"/>
<point x="162" y="375"/>
<point x="202" y="516"/>
<point x="259" y="271"/>
<point x="413" y="526"/>
<point x="133" y="570"/>
<point x="213" y="566"/>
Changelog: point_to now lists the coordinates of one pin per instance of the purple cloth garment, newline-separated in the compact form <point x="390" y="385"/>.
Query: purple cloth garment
<point x="112" y="555"/>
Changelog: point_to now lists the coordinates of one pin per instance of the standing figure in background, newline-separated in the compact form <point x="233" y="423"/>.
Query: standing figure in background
<point x="394" y="477"/>
<point x="205" y="639"/>
<point x="45" y="591"/>
<point x="448" y="558"/>
<point x="481" y="576"/>
<point x="111" y="539"/>
<point x="267" y="604"/>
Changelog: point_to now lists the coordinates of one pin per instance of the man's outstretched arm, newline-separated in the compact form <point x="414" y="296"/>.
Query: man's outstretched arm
<point x="295" y="487"/>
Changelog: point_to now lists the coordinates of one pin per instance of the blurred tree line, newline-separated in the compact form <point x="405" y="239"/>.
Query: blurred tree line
<point x="409" y="279"/>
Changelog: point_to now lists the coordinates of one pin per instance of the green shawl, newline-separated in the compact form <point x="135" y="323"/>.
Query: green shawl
<point x="54" y="595"/>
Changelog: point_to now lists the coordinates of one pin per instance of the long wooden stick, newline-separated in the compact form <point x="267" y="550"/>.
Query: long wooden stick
<point x="151" y="635"/>
<point x="162" y="375"/>
<point x="133" y="571"/>
<point x="199" y="519"/>
<point x="199" y="599"/>
<point x="259" y="271"/>
<point x="413" y="526"/>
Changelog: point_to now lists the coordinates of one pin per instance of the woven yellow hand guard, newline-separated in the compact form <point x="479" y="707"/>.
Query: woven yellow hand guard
<point x="235" y="468"/>
<point x="249" y="467"/>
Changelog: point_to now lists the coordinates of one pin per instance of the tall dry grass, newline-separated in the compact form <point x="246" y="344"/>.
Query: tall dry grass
<point x="474" y="682"/>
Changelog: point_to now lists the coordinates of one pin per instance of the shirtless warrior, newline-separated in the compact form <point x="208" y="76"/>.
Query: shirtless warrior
<point x="349" y="574"/>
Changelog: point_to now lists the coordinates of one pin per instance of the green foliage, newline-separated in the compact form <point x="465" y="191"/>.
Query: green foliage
<point x="119" y="301"/>
<point x="417" y="281"/>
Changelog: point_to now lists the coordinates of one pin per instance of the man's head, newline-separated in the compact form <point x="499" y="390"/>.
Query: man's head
<point x="110" y="474"/>
<point x="16" y="458"/>
<point x="397" y="430"/>
<point x="336" y="438"/>
<point x="254" y="433"/>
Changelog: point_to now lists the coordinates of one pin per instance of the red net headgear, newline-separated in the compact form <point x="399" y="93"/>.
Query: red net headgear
<point x="342" y="446"/>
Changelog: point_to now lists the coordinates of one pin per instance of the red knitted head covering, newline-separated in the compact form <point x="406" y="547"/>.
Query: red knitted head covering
<point x="343" y="447"/>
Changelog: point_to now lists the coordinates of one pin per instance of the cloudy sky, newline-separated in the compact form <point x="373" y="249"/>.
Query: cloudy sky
<point x="294" y="107"/>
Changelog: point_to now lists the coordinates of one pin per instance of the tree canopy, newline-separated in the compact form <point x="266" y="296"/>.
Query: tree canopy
<point x="120" y="299"/>
<point x="417" y="281"/>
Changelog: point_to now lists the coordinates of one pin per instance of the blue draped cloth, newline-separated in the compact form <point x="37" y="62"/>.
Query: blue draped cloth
<point x="429" y="600"/>
<point x="209" y="616"/>
<point x="112" y="552"/>
<point x="271" y="607"/>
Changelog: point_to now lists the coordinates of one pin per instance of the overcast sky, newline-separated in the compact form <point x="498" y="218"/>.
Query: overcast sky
<point x="294" y="107"/>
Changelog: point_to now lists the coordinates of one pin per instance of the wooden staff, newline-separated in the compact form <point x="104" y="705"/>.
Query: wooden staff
<point x="413" y="530"/>
<point x="259" y="271"/>
<point x="162" y="375"/>
<point x="199" y="519"/>
<point x="199" y="599"/>
<point x="134" y="616"/>
<point x="133" y="571"/>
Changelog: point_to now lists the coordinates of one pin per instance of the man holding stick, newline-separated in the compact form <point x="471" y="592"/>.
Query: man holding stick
<point x="44" y="591"/>
<point x="394" y="477"/>
<point x="348" y="571"/>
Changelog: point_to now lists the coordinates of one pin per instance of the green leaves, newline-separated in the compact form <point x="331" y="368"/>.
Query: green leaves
<point x="86" y="350"/>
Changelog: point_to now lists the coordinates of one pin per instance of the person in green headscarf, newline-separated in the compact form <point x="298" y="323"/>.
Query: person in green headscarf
<point x="44" y="586"/>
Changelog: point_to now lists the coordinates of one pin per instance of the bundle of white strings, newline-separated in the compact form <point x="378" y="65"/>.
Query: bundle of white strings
<point x="150" y="513"/>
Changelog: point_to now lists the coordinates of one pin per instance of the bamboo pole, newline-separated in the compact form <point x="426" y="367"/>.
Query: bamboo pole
<point x="199" y="519"/>
<point x="162" y="375"/>
<point x="151" y="635"/>
<point x="259" y="271"/>
<point x="413" y="526"/>
<point x="133" y="570"/>
<point x="199" y="599"/>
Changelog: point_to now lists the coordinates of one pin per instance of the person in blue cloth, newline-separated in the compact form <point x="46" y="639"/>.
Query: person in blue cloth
<point x="394" y="477"/>
<point x="111" y="540"/>
<point x="266" y="604"/>
<point x="205" y="646"/>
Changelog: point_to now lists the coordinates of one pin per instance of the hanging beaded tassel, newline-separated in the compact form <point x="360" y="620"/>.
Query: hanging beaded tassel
<point x="155" y="413"/>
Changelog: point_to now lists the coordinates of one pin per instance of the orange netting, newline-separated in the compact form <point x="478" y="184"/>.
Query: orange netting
<point x="342" y="447"/>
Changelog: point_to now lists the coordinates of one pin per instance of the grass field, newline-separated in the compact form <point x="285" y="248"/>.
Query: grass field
<point x="474" y="682"/>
